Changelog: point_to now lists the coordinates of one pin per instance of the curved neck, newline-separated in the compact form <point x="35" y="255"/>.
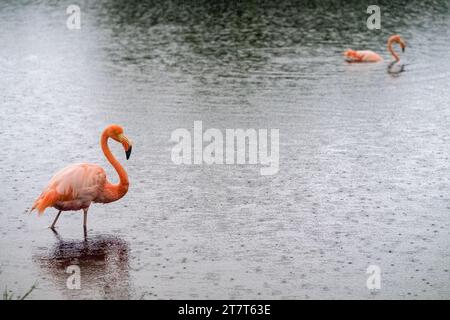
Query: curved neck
<point x="393" y="53"/>
<point x="120" y="189"/>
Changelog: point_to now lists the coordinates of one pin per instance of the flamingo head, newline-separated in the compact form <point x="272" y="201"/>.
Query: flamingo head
<point x="397" y="39"/>
<point x="115" y="132"/>
<point x="352" y="55"/>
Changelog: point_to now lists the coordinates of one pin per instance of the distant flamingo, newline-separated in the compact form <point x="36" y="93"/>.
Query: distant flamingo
<point x="78" y="185"/>
<point x="370" y="56"/>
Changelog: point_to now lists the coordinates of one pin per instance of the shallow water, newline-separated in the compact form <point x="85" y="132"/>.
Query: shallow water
<point x="364" y="156"/>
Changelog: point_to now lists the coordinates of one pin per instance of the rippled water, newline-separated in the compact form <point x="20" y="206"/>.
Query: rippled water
<point x="364" y="155"/>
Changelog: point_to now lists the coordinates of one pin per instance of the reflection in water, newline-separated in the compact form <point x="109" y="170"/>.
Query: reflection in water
<point x="103" y="262"/>
<point x="395" y="68"/>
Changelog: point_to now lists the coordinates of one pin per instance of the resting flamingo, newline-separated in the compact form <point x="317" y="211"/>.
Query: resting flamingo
<point x="370" y="56"/>
<point x="78" y="185"/>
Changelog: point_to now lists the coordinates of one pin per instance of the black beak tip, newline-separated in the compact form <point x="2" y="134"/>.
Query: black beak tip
<point x="403" y="49"/>
<point x="128" y="153"/>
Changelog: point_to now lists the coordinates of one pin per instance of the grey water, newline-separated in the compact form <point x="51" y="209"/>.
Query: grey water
<point x="364" y="154"/>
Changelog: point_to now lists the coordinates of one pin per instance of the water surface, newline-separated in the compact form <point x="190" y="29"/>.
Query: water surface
<point x="364" y="155"/>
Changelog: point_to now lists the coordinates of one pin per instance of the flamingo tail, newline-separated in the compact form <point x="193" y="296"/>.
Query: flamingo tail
<point x="47" y="199"/>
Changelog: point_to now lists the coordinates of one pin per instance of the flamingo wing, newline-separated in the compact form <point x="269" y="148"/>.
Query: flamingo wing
<point x="72" y="188"/>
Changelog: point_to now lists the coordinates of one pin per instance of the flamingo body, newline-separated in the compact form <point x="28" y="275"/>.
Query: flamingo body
<point x="78" y="185"/>
<point x="362" y="56"/>
<point x="73" y="188"/>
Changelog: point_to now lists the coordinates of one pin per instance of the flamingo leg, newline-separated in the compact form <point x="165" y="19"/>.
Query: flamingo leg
<point x="85" y="211"/>
<point x="54" y="221"/>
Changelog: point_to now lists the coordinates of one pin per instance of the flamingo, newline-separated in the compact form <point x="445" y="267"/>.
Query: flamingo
<point x="78" y="185"/>
<point x="370" y="56"/>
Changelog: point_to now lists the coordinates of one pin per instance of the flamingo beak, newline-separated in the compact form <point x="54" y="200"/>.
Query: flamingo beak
<point x="128" y="152"/>
<point x="126" y="145"/>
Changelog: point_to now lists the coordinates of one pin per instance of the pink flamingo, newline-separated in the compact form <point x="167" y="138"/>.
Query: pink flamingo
<point x="370" y="56"/>
<point x="78" y="185"/>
